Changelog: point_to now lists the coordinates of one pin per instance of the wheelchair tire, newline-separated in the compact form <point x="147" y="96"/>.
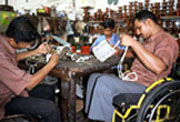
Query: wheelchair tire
<point x="166" y="91"/>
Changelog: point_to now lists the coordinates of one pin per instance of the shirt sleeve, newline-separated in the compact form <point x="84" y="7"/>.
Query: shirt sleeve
<point x="12" y="76"/>
<point x="165" y="51"/>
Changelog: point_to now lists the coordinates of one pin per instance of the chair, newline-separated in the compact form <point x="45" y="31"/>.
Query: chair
<point x="160" y="102"/>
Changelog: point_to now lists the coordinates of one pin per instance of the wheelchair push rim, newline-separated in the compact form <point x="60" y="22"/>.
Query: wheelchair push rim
<point x="161" y="95"/>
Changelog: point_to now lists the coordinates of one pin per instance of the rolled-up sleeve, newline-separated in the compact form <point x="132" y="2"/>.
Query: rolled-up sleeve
<point x="166" y="51"/>
<point x="12" y="76"/>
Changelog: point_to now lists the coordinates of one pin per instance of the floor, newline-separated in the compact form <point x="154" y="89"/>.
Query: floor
<point x="79" y="109"/>
<point x="15" y="120"/>
<point x="80" y="118"/>
<point x="19" y="119"/>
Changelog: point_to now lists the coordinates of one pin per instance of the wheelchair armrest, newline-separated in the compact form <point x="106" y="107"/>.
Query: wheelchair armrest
<point x="124" y="100"/>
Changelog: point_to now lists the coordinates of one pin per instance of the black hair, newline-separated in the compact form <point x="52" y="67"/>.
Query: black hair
<point x="145" y="14"/>
<point x="22" y="30"/>
<point x="109" y="23"/>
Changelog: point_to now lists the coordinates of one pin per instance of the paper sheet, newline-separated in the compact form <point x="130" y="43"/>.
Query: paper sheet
<point x="103" y="51"/>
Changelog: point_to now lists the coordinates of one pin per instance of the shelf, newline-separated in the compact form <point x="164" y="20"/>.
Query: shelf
<point x="87" y="7"/>
<point x="172" y="18"/>
<point x="95" y="22"/>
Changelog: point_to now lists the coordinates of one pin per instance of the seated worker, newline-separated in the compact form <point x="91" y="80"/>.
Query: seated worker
<point x="19" y="91"/>
<point x="109" y="36"/>
<point x="153" y="61"/>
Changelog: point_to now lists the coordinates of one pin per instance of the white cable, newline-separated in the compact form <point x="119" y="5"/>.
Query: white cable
<point x="117" y="43"/>
<point x="125" y="76"/>
<point x="34" y="45"/>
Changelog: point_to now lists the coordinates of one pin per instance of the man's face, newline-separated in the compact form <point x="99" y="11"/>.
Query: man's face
<point x="142" y="28"/>
<point x="108" y="32"/>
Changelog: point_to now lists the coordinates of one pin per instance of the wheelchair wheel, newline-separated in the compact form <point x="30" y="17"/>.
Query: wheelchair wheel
<point x="162" y="104"/>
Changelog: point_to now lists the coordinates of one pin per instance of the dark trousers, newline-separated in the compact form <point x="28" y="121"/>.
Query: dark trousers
<point x="40" y="103"/>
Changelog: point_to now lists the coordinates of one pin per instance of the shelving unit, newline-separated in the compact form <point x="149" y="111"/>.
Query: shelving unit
<point x="170" y="18"/>
<point x="95" y="22"/>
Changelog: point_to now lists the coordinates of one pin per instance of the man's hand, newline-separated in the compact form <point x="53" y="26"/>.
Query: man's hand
<point x="44" y="48"/>
<point x="41" y="74"/>
<point x="54" y="58"/>
<point x="126" y="40"/>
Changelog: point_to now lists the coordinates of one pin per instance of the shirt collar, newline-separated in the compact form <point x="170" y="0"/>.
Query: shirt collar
<point x="112" y="37"/>
<point x="5" y="45"/>
<point x="155" y="35"/>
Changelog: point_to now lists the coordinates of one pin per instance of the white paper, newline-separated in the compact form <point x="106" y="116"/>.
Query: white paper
<point x="103" y="51"/>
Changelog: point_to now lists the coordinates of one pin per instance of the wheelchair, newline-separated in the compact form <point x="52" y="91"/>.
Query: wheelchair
<point x="160" y="102"/>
